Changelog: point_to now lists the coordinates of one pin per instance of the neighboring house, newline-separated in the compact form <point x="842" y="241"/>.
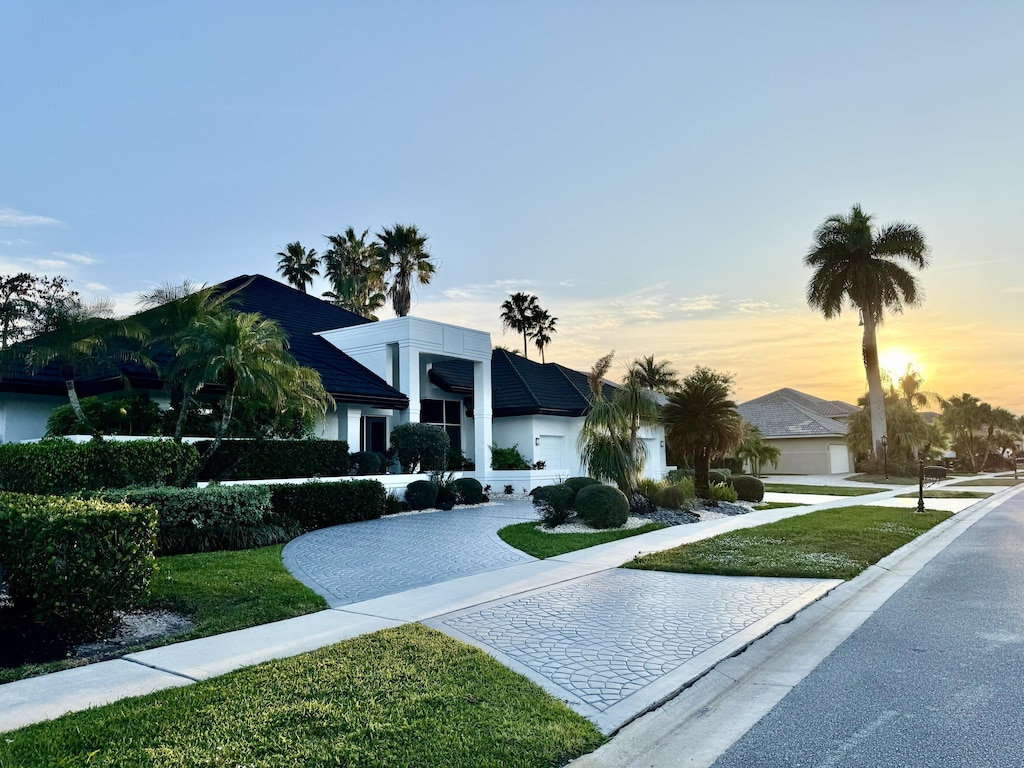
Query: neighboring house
<point x="381" y="374"/>
<point x="809" y="432"/>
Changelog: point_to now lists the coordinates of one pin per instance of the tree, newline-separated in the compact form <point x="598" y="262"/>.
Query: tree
<point x="701" y="420"/>
<point x="1000" y="426"/>
<point x="963" y="417"/>
<point x="754" y="449"/>
<point x="356" y="270"/>
<point x="517" y="313"/>
<point x="855" y="263"/>
<point x="298" y="265"/>
<point x="910" y="390"/>
<point x="408" y="262"/>
<point x="543" y="327"/>
<point x="30" y="305"/>
<point x="660" y="377"/>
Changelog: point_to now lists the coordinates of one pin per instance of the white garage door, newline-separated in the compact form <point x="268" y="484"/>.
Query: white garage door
<point x="839" y="458"/>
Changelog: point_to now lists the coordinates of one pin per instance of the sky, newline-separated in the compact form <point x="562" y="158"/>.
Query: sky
<point x="652" y="171"/>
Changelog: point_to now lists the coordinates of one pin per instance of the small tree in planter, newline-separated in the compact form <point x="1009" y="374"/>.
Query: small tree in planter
<point x="420" y="447"/>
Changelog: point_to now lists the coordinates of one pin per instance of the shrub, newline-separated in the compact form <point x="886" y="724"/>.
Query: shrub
<point x="133" y="414"/>
<point x="601" y="506"/>
<point x="554" y="503"/>
<point x="421" y="494"/>
<point x="420" y="447"/>
<point x="649" y="488"/>
<point x="366" y="463"/>
<point x="718" y="476"/>
<point x="641" y="504"/>
<point x="458" y="461"/>
<point x="687" y="486"/>
<point x="269" y="459"/>
<point x="728" y="464"/>
<point x="748" y="488"/>
<point x="674" y="476"/>
<point x="317" y="504"/>
<point x="207" y="519"/>
<point x="72" y="563"/>
<point x="61" y="466"/>
<point x="394" y="505"/>
<point x="722" y="492"/>
<point x="671" y="497"/>
<point x="469" y="491"/>
<point x="576" y="483"/>
<point x="507" y="458"/>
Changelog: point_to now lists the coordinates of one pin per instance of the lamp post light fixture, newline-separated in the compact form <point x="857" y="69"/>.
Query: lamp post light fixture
<point x="920" y="486"/>
<point x="885" y="455"/>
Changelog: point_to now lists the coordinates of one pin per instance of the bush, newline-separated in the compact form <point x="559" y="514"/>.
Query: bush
<point x="577" y="483"/>
<point x="317" y="504"/>
<point x="207" y="519"/>
<point x="674" y="476"/>
<point x="133" y="414"/>
<point x="641" y="504"/>
<point x="748" y="488"/>
<point x="366" y="463"/>
<point x="671" y="497"/>
<point x="394" y="505"/>
<point x="601" y="506"/>
<point x="420" y="447"/>
<point x="469" y="491"/>
<point x="687" y="486"/>
<point x="722" y="492"/>
<point x="62" y="467"/>
<point x="649" y="488"/>
<point x="269" y="459"/>
<point x="729" y="464"/>
<point x="421" y="494"/>
<point x="554" y="503"/>
<point x="71" y="563"/>
<point x="507" y="458"/>
<point x="719" y="476"/>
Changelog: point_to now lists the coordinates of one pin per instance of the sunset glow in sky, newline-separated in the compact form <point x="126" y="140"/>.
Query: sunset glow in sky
<point x="653" y="171"/>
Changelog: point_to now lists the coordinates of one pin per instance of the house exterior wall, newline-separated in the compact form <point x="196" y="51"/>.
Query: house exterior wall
<point x="23" y="417"/>
<point x="804" y="455"/>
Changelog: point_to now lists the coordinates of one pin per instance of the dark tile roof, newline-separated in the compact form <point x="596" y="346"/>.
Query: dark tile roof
<point x="299" y="315"/>
<point x="791" y="413"/>
<point x="521" y="387"/>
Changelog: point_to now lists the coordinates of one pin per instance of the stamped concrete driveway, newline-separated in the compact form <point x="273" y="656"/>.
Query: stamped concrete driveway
<point x="360" y="561"/>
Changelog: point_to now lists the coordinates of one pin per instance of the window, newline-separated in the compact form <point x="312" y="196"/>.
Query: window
<point x="446" y="414"/>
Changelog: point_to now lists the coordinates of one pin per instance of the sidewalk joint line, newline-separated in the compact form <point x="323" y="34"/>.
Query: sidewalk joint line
<point x="162" y="669"/>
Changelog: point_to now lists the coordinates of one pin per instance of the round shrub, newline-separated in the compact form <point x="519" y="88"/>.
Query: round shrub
<point x="469" y="490"/>
<point x="420" y="447"/>
<point x="748" y="488"/>
<point x="420" y="494"/>
<point x="718" y="476"/>
<point x="601" y="506"/>
<point x="366" y="463"/>
<point x="553" y="503"/>
<point x="672" y="497"/>
<point x="576" y="483"/>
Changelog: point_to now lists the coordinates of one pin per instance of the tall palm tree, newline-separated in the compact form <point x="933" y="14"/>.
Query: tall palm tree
<point x="660" y="377"/>
<point x="543" y="327"/>
<point x="963" y="417"/>
<point x="856" y="264"/>
<point x="517" y="313"/>
<point x="356" y="270"/>
<point x="298" y="265"/>
<point x="910" y="389"/>
<point x="701" y="420"/>
<point x="408" y="262"/>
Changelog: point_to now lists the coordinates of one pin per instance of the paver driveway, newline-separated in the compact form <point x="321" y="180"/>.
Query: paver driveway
<point x="359" y="561"/>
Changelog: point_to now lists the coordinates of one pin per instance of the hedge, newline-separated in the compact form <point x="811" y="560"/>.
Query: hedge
<point x="268" y="459"/>
<point x="601" y="506"/>
<point x="319" y="505"/>
<point x="71" y="563"/>
<point x="61" y="466"/>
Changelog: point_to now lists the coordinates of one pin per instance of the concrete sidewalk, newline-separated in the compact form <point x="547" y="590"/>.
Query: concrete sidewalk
<point x="611" y="643"/>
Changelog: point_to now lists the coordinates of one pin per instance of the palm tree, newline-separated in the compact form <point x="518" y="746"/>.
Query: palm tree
<point x="660" y="377"/>
<point x="701" y="420"/>
<point x="963" y="416"/>
<point x="754" y="449"/>
<point x="543" y="327"/>
<point x="518" y="312"/>
<point x="910" y="390"/>
<point x="297" y="265"/>
<point x="855" y="263"/>
<point x="85" y="339"/>
<point x="408" y="262"/>
<point x="356" y="271"/>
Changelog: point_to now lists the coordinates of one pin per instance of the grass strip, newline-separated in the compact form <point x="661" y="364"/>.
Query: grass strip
<point x="883" y="480"/>
<point x="779" y="504"/>
<point x="526" y="538"/>
<point x="819" y="490"/>
<point x="404" y="696"/>
<point x="940" y="494"/>
<point x="828" y="544"/>
<point x="993" y="481"/>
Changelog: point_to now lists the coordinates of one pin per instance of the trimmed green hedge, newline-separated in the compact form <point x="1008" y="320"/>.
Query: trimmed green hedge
<point x="554" y="503"/>
<point x="319" y="505"/>
<point x="61" y="466"/>
<point x="71" y="563"/>
<point x="270" y="459"/>
<point x="748" y="488"/>
<point x="601" y="506"/>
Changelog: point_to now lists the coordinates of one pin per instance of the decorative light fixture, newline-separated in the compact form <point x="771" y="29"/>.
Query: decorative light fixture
<point x="536" y="441"/>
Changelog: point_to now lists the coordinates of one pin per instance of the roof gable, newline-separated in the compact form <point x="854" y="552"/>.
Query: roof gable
<point x="791" y="413"/>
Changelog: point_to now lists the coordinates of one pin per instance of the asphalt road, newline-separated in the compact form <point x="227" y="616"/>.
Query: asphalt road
<point x="935" y="678"/>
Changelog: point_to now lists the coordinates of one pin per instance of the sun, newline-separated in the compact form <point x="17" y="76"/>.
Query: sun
<point x="894" y="361"/>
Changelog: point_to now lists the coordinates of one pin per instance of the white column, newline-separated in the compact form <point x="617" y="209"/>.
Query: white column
<point x="409" y="380"/>
<point x="482" y="417"/>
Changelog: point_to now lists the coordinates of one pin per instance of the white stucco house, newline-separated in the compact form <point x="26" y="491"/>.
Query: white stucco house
<point x="382" y="374"/>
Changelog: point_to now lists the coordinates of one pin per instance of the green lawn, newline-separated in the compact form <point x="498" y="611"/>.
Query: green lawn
<point x="829" y="544"/>
<point x="778" y="505"/>
<point x="994" y="481"/>
<point x="941" y="494"/>
<point x="526" y="537"/>
<point x="883" y="480"/>
<point x="219" y="591"/>
<point x="408" y="696"/>
<point x="824" y="490"/>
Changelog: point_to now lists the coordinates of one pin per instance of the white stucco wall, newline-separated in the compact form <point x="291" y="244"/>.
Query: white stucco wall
<point x="23" y="417"/>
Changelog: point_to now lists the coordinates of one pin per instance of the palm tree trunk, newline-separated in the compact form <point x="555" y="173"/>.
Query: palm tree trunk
<point x="526" y="352"/>
<point x="76" y="406"/>
<point x="876" y="397"/>
<point x="701" y="472"/>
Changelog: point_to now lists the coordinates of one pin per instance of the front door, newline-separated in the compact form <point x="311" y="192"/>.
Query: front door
<point x="375" y="434"/>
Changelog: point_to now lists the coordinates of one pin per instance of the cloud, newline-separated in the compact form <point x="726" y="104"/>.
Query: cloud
<point x="50" y="263"/>
<point x="705" y="303"/>
<point x="15" y="243"/>
<point x="81" y="258"/>
<point x="751" y="306"/>
<point x="9" y="217"/>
